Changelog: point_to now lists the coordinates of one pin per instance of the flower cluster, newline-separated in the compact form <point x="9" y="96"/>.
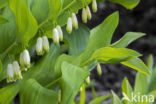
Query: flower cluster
<point x="57" y="34"/>
<point x="72" y="22"/>
<point x="42" y="45"/>
<point x="13" y="72"/>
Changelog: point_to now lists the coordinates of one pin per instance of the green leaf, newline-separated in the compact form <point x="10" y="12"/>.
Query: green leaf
<point x="72" y="79"/>
<point x="98" y="100"/>
<point x="8" y="93"/>
<point x="77" y="40"/>
<point x="116" y="99"/>
<point x="3" y="3"/>
<point x="152" y="93"/>
<point x="7" y="30"/>
<point x="127" y="89"/>
<point x="113" y="55"/>
<point x="26" y="24"/>
<point x="138" y="65"/>
<point x="150" y="63"/>
<point x="1" y="67"/>
<point x="54" y="8"/>
<point x="101" y="35"/>
<point x="3" y="20"/>
<point x="41" y="13"/>
<point x="33" y="93"/>
<point x="128" y="38"/>
<point x="152" y="83"/>
<point x="129" y="4"/>
<point x="141" y="80"/>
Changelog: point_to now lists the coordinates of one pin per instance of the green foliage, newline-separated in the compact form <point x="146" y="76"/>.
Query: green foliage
<point x="66" y="66"/>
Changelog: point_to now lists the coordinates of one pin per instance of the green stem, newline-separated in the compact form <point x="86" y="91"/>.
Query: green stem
<point x="63" y="10"/>
<point x="2" y="56"/>
<point x="52" y="83"/>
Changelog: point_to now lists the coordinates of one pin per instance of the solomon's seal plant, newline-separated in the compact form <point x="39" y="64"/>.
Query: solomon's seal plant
<point x="66" y="55"/>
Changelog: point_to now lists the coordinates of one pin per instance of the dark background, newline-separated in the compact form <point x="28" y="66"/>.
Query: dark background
<point x="140" y="19"/>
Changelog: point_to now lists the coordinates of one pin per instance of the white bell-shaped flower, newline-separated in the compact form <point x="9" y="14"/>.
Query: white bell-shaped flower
<point x="16" y="70"/>
<point x="60" y="32"/>
<point x="94" y="6"/>
<point x="99" y="71"/>
<point x="26" y="58"/>
<point x="45" y="42"/>
<point x="84" y="15"/>
<point x="55" y="36"/>
<point x="10" y="73"/>
<point x="74" y="21"/>
<point x="89" y="15"/>
<point x="69" y="25"/>
<point x="88" y="80"/>
<point x="39" y="46"/>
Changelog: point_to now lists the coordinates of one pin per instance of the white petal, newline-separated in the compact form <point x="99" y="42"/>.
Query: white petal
<point x="45" y="43"/>
<point x="60" y="32"/>
<point x="55" y="36"/>
<point x="39" y="46"/>
<point x="84" y="15"/>
<point x="74" y="21"/>
<point x="69" y="25"/>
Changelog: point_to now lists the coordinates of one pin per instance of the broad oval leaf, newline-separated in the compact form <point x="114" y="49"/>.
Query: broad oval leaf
<point x="112" y="55"/>
<point x="129" y="4"/>
<point x="72" y="79"/>
<point x="77" y="40"/>
<point x="128" y="38"/>
<point x="138" y="65"/>
<point x="33" y="93"/>
<point x="26" y="24"/>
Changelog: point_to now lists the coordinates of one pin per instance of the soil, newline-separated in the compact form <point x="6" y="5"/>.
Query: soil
<point x="140" y="19"/>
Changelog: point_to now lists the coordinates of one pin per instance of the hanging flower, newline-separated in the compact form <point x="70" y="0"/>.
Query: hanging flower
<point x="60" y="33"/>
<point x="74" y="21"/>
<point x="55" y="36"/>
<point x="99" y="71"/>
<point x="39" y="46"/>
<point x="89" y="15"/>
<point x="84" y="15"/>
<point x="10" y="73"/>
<point x="69" y="25"/>
<point x="16" y="70"/>
<point x="94" y="6"/>
<point x="26" y="58"/>
<point x="88" y="80"/>
<point x="45" y="43"/>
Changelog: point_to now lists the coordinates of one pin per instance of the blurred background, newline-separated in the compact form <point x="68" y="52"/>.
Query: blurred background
<point x="140" y="19"/>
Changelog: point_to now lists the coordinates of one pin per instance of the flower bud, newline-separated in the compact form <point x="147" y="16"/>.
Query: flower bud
<point x="89" y="15"/>
<point x="99" y="71"/>
<point x="45" y="43"/>
<point x="81" y="89"/>
<point x="84" y="15"/>
<point x="55" y="36"/>
<point x="10" y="73"/>
<point x="26" y="58"/>
<point x="94" y="6"/>
<point x="39" y="46"/>
<point x="88" y="80"/>
<point x="69" y="25"/>
<point x="16" y="70"/>
<point x="74" y="21"/>
<point x="60" y="33"/>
